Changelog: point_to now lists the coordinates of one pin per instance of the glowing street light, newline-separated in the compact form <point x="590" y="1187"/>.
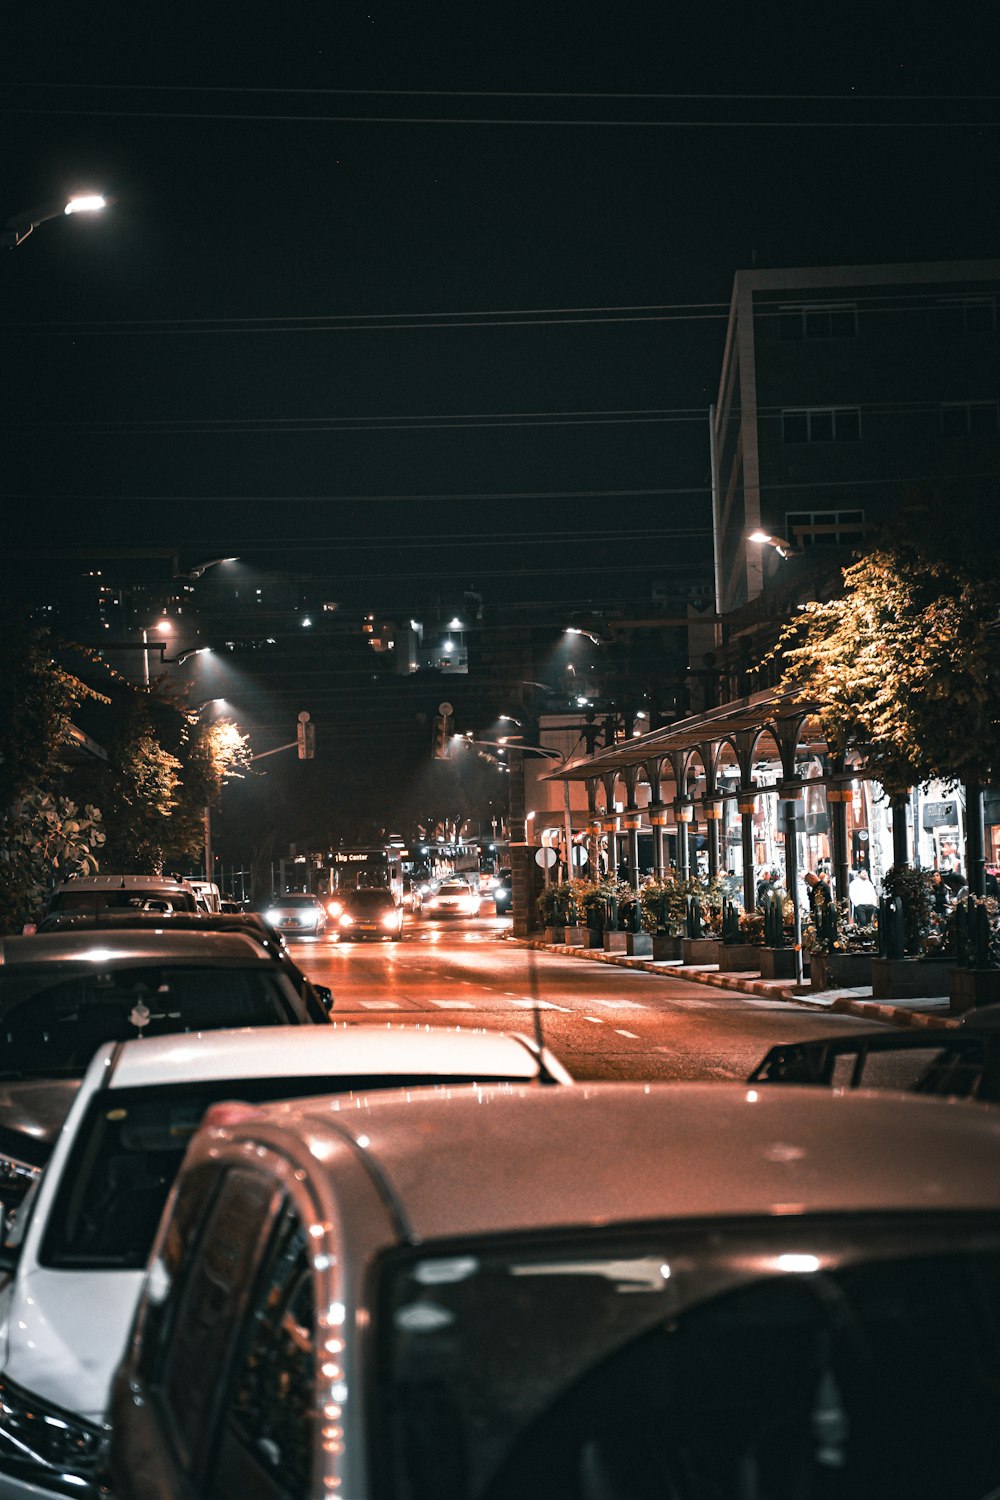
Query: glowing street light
<point x="165" y="627"/>
<point x="783" y="547"/>
<point x="20" y="225"/>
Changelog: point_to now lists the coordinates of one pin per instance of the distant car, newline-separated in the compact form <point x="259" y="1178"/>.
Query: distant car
<point x="297" y="915"/>
<point x="75" y="1260"/>
<point x="502" y="892"/>
<point x="617" y="1290"/>
<point x="453" y="898"/>
<point x="369" y="914"/>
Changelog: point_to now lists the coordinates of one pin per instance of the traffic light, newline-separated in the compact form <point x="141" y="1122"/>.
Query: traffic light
<point x="306" y="736"/>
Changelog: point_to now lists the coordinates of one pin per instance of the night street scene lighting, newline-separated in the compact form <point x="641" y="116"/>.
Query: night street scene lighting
<point x="781" y="546"/>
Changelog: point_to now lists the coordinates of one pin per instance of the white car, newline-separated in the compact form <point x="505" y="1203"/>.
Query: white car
<point x="610" y="1292"/>
<point x="78" y="1249"/>
<point x="297" y="915"/>
<point x="99" y="893"/>
<point x="453" y="898"/>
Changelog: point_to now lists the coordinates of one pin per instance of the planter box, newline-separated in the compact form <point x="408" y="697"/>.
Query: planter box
<point x="637" y="944"/>
<point x="593" y="937"/>
<point x="968" y="988"/>
<point x="779" y="963"/>
<point x="576" y="936"/>
<point x="739" y="958"/>
<point x="909" y="978"/>
<point x="665" y="946"/>
<point x="840" y="971"/>
<point x="554" y="934"/>
<point x="700" y="950"/>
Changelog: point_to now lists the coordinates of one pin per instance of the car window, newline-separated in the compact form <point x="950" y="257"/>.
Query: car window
<point x="267" y="1430"/>
<point x="127" y="900"/>
<point x="297" y="901"/>
<point x="715" y="1362"/>
<point x="370" y="899"/>
<point x="52" y="1026"/>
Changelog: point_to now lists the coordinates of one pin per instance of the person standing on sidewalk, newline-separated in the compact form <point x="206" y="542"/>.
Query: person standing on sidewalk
<point x="863" y="898"/>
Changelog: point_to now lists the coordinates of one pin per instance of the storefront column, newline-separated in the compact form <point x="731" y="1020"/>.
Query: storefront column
<point x="746" y="810"/>
<point x="900" y="840"/>
<point x="837" y="798"/>
<point x="975" y="839"/>
<point x="683" y="811"/>
<point x="713" y="824"/>
<point x="632" y="847"/>
<point x="659" y="851"/>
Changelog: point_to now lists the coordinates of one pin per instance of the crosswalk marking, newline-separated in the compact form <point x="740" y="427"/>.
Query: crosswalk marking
<point x="453" y="1004"/>
<point x="631" y="1034"/>
<point x="380" y="1004"/>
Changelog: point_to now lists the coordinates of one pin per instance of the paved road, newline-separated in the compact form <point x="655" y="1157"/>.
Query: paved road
<point x="603" y="1021"/>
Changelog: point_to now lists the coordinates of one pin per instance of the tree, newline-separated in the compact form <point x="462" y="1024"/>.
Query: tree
<point x="43" y="835"/>
<point x="904" y="662"/>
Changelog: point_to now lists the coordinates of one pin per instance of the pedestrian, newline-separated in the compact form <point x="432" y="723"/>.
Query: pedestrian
<point x="763" y="885"/>
<point x="815" y="890"/>
<point x="939" y="895"/>
<point x="863" y="898"/>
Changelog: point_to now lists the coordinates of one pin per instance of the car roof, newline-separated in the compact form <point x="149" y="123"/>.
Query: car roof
<point x="465" y="1161"/>
<point x="335" y="1050"/>
<point x="124" y="883"/>
<point x="119" y="944"/>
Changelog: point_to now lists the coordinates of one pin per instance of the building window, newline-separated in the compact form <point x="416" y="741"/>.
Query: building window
<point x="972" y="314"/>
<point x="821" y="424"/>
<point x="815" y="320"/>
<point x="825" y="528"/>
<point x="969" y="419"/>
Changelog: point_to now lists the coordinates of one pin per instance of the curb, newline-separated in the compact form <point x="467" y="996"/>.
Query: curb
<point x="778" y="989"/>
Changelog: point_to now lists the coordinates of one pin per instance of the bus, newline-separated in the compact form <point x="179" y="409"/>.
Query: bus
<point x="367" y="867"/>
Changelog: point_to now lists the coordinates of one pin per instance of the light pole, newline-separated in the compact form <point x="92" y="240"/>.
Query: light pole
<point x="20" y="225"/>
<point x="200" y="568"/>
<point x="781" y="546"/>
<point x="513" y="742"/>
<point x="164" y="625"/>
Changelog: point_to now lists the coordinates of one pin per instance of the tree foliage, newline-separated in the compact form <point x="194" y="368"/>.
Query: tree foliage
<point x="903" y="663"/>
<point x="43" y="837"/>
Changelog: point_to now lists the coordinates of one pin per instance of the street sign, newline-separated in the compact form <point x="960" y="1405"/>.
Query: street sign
<point x="445" y="710"/>
<point x="580" y="856"/>
<point x="545" y="858"/>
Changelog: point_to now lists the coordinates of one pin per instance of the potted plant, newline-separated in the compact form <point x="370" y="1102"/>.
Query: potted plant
<point x="974" y="933"/>
<point x="911" y="961"/>
<point x="742" y="936"/>
<point x="703" y="931"/>
<point x="623" y="932"/>
<point x="550" y="906"/>
<point x="576" y="913"/>
<point x="664" y="911"/>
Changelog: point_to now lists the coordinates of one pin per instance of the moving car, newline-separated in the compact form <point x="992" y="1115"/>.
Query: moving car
<point x="502" y="891"/>
<point x="369" y="914"/>
<point x="76" y="1257"/>
<point x="64" y="994"/>
<point x="453" y="898"/>
<point x="297" y="915"/>
<point x="615" y="1290"/>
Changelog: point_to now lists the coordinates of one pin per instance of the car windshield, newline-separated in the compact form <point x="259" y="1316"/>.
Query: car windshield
<point x="52" y="1020"/>
<point x="370" y="900"/>
<point x="454" y="888"/>
<point x="297" y="901"/>
<point x="849" y="1360"/>
<point x="123" y="900"/>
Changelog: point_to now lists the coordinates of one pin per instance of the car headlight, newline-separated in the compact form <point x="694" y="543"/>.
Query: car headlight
<point x="335" y="908"/>
<point x="15" y="1173"/>
<point x="346" y="920"/>
<point x="390" y="920"/>
<point x="273" y="916"/>
<point x="36" y="1437"/>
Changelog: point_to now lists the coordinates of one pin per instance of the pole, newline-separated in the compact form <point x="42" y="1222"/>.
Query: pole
<point x="208" y="842"/>
<point x="568" y="830"/>
<point x="145" y="660"/>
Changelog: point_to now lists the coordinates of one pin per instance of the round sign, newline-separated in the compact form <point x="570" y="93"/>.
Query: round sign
<point x="580" y="855"/>
<point x="303" y="717"/>
<point x="445" y="710"/>
<point x="546" y="858"/>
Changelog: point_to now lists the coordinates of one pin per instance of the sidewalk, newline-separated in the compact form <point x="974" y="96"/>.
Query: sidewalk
<point x="933" y="1012"/>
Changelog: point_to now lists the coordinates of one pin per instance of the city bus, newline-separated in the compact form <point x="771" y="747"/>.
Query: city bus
<point x="367" y="867"/>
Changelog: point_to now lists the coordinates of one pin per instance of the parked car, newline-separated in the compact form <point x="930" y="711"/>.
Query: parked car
<point x="76" y="1257"/>
<point x="369" y="914"/>
<point x="453" y="898"/>
<point x="297" y="915"/>
<point x="618" y="1290"/>
<point x="64" y="994"/>
<point x="155" y="893"/>
<point x="318" y="997"/>
<point x="959" y="1062"/>
<point x="502" y="892"/>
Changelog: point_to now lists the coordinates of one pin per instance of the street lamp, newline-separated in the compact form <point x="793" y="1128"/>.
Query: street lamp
<point x="201" y="568"/>
<point x="20" y="225"/>
<point x="166" y="626"/>
<point x="781" y="546"/>
<point x="513" y="742"/>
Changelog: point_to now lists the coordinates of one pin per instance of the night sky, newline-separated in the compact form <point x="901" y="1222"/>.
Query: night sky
<point x="404" y="300"/>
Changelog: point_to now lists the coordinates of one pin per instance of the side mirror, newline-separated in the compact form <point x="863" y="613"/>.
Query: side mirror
<point x="325" y="996"/>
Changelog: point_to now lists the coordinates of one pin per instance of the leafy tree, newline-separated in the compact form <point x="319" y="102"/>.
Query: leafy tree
<point x="904" y="662"/>
<point x="43" y="836"/>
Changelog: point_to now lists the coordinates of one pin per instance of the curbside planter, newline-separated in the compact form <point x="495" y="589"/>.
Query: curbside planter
<point x="700" y="950"/>
<point x="968" y="988"/>
<point x="616" y="942"/>
<point x="909" y="978"/>
<point x="666" y="946"/>
<point x="779" y="963"/>
<point x="739" y="958"/>
<point x="554" y="934"/>
<point x="840" y="971"/>
<point x="576" y="936"/>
